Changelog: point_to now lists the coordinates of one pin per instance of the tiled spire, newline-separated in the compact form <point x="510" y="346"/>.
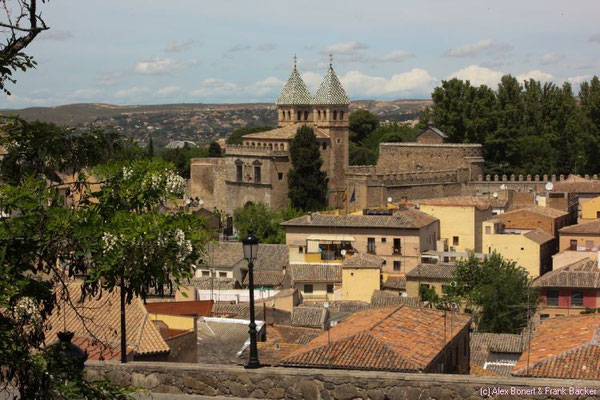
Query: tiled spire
<point x="294" y="92"/>
<point x="331" y="91"/>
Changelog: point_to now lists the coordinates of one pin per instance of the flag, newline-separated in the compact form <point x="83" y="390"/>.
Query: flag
<point x="344" y="198"/>
<point x="353" y="197"/>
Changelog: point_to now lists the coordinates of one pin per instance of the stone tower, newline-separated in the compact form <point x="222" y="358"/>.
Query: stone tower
<point x="294" y="104"/>
<point x="331" y="112"/>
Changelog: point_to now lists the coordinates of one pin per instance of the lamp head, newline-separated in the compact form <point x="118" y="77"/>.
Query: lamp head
<point x="250" y="245"/>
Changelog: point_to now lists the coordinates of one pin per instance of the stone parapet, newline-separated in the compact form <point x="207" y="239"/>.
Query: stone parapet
<point x="241" y="150"/>
<point x="317" y="384"/>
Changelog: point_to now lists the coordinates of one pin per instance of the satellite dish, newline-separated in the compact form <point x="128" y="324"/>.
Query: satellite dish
<point x="453" y="306"/>
<point x="503" y="186"/>
<point x="343" y="252"/>
<point x="495" y="195"/>
<point x="326" y="304"/>
<point x="389" y="199"/>
<point x="549" y="186"/>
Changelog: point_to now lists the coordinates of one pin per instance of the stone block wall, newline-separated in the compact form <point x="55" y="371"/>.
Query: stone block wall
<point x="317" y="384"/>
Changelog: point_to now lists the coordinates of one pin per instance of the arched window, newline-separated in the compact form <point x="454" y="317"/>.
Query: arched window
<point x="270" y="146"/>
<point x="341" y="115"/>
<point x="334" y="115"/>
<point x="299" y="115"/>
<point x="276" y="147"/>
<point x="319" y="115"/>
<point x="305" y="115"/>
<point x="282" y="146"/>
<point x="324" y="114"/>
<point x="283" y="115"/>
<point x="290" y="115"/>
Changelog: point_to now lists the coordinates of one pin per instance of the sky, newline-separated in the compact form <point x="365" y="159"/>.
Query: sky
<point x="181" y="51"/>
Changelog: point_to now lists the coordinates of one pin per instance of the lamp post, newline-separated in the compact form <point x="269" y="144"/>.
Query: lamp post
<point x="250" y="244"/>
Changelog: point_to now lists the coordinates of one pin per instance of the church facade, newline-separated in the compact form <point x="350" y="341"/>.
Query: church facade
<point x="256" y="171"/>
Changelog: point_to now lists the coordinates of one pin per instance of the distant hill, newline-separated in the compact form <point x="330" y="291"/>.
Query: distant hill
<point x="200" y="123"/>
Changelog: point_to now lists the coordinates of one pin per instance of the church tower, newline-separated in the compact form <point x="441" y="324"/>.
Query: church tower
<point x="331" y="112"/>
<point x="294" y="104"/>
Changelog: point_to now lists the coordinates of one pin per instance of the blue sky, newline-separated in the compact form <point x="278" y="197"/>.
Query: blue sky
<point x="158" y="52"/>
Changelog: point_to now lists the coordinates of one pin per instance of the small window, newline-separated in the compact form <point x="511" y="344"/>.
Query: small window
<point x="280" y="176"/>
<point x="319" y="114"/>
<point x="455" y="240"/>
<point x="222" y="274"/>
<point x="257" y="177"/>
<point x="283" y="115"/>
<point x="308" y="288"/>
<point x="306" y="115"/>
<point x="576" y="298"/>
<point x="334" y="115"/>
<point x="324" y="146"/>
<point x="338" y="141"/>
<point x="383" y="240"/>
<point x="573" y="245"/>
<point x="397" y="248"/>
<point x="205" y="273"/>
<point x="397" y="266"/>
<point x="341" y="115"/>
<point x="370" y="245"/>
<point x="598" y="214"/>
<point x="289" y="115"/>
<point x="238" y="173"/>
<point x="329" y="288"/>
<point x="300" y="249"/>
<point x="299" y="115"/>
<point x="552" y="297"/>
<point x="488" y="230"/>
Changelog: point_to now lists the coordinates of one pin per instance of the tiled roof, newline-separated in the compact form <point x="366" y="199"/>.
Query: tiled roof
<point x="363" y="260"/>
<point x="339" y="305"/>
<point x="480" y="203"/>
<point x="482" y="344"/>
<point x="539" y="236"/>
<point x="385" y="298"/>
<point x="592" y="227"/>
<point x="435" y="271"/>
<point x="434" y="129"/>
<point x="331" y="273"/>
<point x="581" y="274"/>
<point x="331" y="91"/>
<point x="189" y="308"/>
<point x="387" y="339"/>
<point x="220" y="341"/>
<point x="567" y="347"/>
<point x="237" y="311"/>
<point x="103" y="319"/>
<point x="313" y="317"/>
<point x="98" y="351"/>
<point x="409" y="218"/>
<point x="228" y="254"/>
<point x="294" y="92"/>
<point x="286" y="133"/>
<point x="266" y="278"/>
<point x="476" y="370"/>
<point x="577" y="184"/>
<point x="208" y="283"/>
<point x="543" y="211"/>
<point x="395" y="282"/>
<point x="282" y="340"/>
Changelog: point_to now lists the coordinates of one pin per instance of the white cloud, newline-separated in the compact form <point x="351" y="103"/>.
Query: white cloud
<point x="489" y="46"/>
<point x="155" y="66"/>
<point x="535" y="74"/>
<point x="312" y="80"/>
<point x="396" y="56"/>
<point x="347" y="51"/>
<point x="132" y="92"/>
<point x="168" y="90"/>
<point x="576" y="80"/>
<point x="478" y="75"/>
<point x="226" y="90"/>
<point x="178" y="47"/>
<point x="213" y="87"/>
<point x="551" y="58"/>
<point x="265" y="86"/>
<point x="416" y="82"/>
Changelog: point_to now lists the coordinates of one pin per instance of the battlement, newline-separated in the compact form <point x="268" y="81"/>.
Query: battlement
<point x="527" y="178"/>
<point x="241" y="150"/>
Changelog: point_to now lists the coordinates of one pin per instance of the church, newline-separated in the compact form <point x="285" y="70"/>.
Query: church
<point x="256" y="171"/>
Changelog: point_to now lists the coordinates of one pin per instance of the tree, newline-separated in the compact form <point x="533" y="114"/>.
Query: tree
<point x="307" y="183"/>
<point x="214" y="150"/>
<point x="362" y="123"/>
<point x="264" y="221"/>
<point x="360" y="155"/>
<point x="498" y="292"/>
<point x="181" y="158"/>
<point x="150" y="148"/>
<point x="236" y="135"/>
<point x="21" y="24"/>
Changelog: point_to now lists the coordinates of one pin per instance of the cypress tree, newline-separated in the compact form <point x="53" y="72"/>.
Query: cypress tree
<point x="150" y="148"/>
<point x="307" y="183"/>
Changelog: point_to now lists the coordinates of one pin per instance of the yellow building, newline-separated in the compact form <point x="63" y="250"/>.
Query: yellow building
<point x="460" y="220"/>
<point x="361" y="276"/>
<point x="531" y="250"/>
<point x="590" y="210"/>
<point x="431" y="276"/>
<point x="316" y="281"/>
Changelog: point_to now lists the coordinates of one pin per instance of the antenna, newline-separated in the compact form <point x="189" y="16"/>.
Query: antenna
<point x="549" y="186"/>
<point x="330" y="60"/>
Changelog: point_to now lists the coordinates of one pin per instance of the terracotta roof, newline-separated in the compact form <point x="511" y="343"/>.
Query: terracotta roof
<point x="331" y="273"/>
<point x="395" y="282"/>
<point x="539" y="236"/>
<point x="270" y="257"/>
<point x="287" y="132"/>
<point x="363" y="260"/>
<point x="387" y="339"/>
<point x="314" y="317"/>
<point x="567" y="347"/>
<point x="386" y="298"/>
<point x="592" y="227"/>
<point x="294" y="92"/>
<point x="229" y="254"/>
<point x="435" y="271"/>
<point x="476" y="370"/>
<point x="404" y="219"/>
<point x="99" y="351"/>
<point x="266" y="278"/>
<point x="282" y="340"/>
<point x="102" y="320"/>
<point x="482" y="344"/>
<point x="577" y="184"/>
<point x="186" y="308"/>
<point x="543" y="211"/>
<point x="237" y="311"/>
<point x="220" y="341"/>
<point x="331" y="91"/>
<point x="339" y="305"/>
<point x="207" y="283"/>
<point x="581" y="274"/>
<point x="480" y="203"/>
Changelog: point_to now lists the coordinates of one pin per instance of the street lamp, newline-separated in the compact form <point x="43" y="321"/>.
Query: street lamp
<point x="250" y="245"/>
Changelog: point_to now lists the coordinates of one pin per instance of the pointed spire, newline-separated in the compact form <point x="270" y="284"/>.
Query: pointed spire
<point x="331" y="91"/>
<point x="294" y="92"/>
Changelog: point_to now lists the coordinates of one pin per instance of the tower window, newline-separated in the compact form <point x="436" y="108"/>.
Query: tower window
<point x="324" y="114"/>
<point x="238" y="173"/>
<point x="324" y="146"/>
<point x="289" y="115"/>
<point x="283" y="115"/>
<point x="257" y="177"/>
<point x="341" y="115"/>
<point x="305" y="115"/>
<point x="334" y="115"/>
<point x="299" y="114"/>
<point x="319" y="114"/>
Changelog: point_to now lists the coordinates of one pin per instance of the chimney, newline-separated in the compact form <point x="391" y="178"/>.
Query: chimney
<point x="309" y="217"/>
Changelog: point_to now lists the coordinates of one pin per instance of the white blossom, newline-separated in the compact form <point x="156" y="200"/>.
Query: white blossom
<point x="109" y="241"/>
<point x="127" y="173"/>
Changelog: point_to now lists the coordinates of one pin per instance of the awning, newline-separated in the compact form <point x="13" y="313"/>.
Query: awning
<point x="326" y="237"/>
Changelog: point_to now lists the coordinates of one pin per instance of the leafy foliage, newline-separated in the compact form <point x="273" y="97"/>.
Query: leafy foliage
<point x="366" y="152"/>
<point x="264" y="221"/>
<point x="214" y="150"/>
<point x="307" y="183"/>
<point x="181" y="158"/>
<point x="362" y="123"/>
<point x="236" y="135"/>
<point x="497" y="290"/>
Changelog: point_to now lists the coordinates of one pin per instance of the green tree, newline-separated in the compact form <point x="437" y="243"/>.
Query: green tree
<point x="181" y="158"/>
<point x="260" y="218"/>
<point x="150" y="148"/>
<point x="307" y="183"/>
<point x="498" y="292"/>
<point x="362" y="123"/>
<point x="214" y="150"/>
<point x="236" y="135"/>
<point x="360" y="155"/>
